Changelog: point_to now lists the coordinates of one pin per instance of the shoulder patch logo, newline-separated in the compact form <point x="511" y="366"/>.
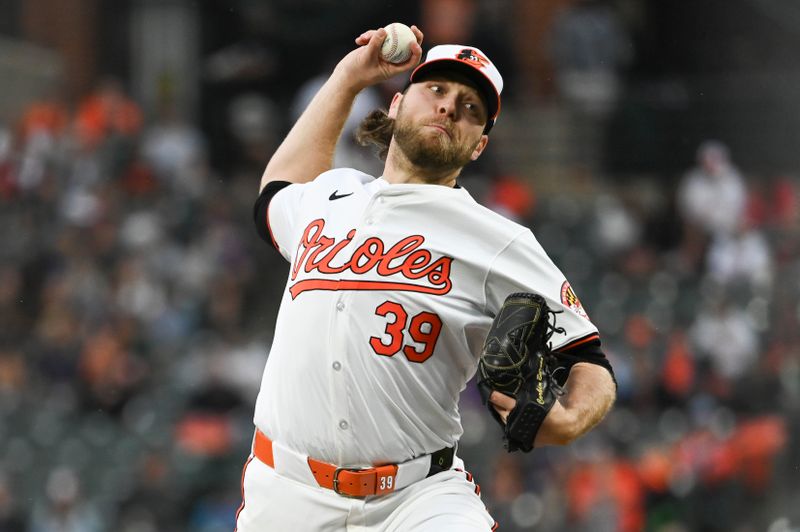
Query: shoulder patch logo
<point x="571" y="300"/>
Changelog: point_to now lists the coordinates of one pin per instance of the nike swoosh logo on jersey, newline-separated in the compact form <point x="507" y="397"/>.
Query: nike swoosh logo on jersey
<point x="336" y="196"/>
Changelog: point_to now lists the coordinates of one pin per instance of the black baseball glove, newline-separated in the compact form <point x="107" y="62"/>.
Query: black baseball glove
<point x="517" y="361"/>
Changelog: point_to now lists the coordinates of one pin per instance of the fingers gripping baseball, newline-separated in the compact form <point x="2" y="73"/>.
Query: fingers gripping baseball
<point x="366" y="37"/>
<point x="364" y="66"/>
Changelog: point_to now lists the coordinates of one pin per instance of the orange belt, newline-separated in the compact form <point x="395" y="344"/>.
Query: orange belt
<point x="344" y="481"/>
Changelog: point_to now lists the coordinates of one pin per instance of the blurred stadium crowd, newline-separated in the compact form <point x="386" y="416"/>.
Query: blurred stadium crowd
<point x="136" y="306"/>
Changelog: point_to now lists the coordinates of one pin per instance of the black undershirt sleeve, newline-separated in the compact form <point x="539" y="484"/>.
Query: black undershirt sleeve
<point x="590" y="352"/>
<point x="260" y="210"/>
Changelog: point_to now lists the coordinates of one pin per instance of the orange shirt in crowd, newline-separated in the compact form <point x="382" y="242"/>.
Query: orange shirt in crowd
<point x="105" y="113"/>
<point x="48" y="116"/>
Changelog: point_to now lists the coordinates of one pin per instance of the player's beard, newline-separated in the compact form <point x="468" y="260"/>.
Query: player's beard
<point x="438" y="153"/>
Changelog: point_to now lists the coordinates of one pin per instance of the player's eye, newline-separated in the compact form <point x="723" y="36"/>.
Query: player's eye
<point x="473" y="108"/>
<point x="437" y="89"/>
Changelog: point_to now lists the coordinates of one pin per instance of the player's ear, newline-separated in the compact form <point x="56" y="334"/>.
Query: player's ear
<point x="480" y="147"/>
<point x="395" y="105"/>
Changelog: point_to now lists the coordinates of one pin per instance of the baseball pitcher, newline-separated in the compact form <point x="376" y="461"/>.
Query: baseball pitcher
<point x="400" y="288"/>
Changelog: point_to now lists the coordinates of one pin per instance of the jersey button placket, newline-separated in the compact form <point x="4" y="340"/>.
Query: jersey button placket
<point x="373" y="210"/>
<point x="338" y="376"/>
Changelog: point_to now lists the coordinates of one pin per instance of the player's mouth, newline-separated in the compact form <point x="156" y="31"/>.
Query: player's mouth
<point x="440" y="127"/>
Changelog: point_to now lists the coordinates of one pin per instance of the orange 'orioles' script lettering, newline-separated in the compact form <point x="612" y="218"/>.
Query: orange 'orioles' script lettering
<point x="317" y="252"/>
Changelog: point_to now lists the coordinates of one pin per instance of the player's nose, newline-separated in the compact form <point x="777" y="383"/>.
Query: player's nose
<point x="448" y="107"/>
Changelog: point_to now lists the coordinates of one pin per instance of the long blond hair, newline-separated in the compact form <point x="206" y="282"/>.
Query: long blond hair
<point x="376" y="129"/>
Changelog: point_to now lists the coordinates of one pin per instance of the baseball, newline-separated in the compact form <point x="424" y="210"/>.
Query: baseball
<point x="397" y="45"/>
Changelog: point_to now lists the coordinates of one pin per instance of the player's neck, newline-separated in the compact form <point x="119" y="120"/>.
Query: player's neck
<point x="398" y="170"/>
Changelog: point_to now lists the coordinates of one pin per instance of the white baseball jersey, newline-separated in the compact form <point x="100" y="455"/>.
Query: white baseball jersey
<point x="391" y="292"/>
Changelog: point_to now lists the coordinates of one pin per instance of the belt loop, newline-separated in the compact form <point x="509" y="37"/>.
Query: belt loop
<point x="262" y="449"/>
<point x="441" y="460"/>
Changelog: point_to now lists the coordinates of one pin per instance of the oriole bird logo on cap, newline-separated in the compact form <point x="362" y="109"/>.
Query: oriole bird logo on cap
<point x="469" y="55"/>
